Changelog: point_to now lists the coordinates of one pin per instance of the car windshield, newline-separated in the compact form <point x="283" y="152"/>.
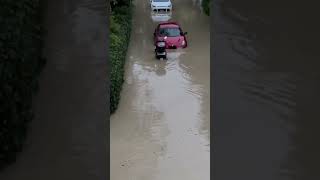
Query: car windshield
<point x="160" y="0"/>
<point x="170" y="32"/>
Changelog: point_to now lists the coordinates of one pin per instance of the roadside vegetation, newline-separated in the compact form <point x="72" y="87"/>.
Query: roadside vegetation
<point x="20" y="65"/>
<point x="206" y="5"/>
<point x="120" y="29"/>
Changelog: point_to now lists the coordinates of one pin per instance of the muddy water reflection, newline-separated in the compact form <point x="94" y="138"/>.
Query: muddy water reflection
<point x="264" y="63"/>
<point x="161" y="129"/>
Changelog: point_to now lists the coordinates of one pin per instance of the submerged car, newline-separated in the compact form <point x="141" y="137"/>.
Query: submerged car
<point x="157" y="5"/>
<point x="172" y="34"/>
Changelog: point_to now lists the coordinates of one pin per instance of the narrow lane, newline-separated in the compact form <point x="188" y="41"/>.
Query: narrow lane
<point x="161" y="129"/>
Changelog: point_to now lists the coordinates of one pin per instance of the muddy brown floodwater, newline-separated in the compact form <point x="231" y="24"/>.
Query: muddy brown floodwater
<point x="161" y="129"/>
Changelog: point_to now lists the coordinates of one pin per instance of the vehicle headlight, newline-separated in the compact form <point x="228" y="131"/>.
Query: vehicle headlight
<point x="153" y="6"/>
<point x="183" y="42"/>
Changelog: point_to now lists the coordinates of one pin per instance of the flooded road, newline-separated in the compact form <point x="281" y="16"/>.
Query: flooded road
<point x="161" y="129"/>
<point x="266" y="91"/>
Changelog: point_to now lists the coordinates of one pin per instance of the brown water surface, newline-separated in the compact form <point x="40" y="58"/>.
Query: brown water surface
<point x="161" y="129"/>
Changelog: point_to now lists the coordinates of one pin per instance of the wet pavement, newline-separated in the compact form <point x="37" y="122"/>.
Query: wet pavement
<point x="266" y="91"/>
<point x="67" y="139"/>
<point x="161" y="129"/>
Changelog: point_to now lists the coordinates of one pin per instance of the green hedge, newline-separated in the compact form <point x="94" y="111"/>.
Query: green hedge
<point x="206" y="4"/>
<point x="120" y="29"/>
<point x="20" y="65"/>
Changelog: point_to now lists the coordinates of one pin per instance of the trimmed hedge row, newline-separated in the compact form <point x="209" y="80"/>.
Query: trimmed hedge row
<point x="20" y="65"/>
<point x="120" y="29"/>
<point x="206" y="4"/>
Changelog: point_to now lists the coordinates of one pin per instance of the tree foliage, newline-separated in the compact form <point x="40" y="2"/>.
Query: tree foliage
<point x="20" y="64"/>
<point x="119" y="3"/>
<point x="206" y="5"/>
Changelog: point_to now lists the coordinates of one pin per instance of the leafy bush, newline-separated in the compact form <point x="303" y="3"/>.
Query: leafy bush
<point x="20" y="65"/>
<point x="119" y="3"/>
<point x="206" y="4"/>
<point x="120" y="28"/>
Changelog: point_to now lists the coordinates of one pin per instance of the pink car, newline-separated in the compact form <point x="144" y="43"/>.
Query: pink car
<point x="172" y="34"/>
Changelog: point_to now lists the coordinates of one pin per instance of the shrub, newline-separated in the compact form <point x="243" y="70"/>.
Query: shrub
<point x="20" y="65"/>
<point x="120" y="29"/>
<point x="206" y="4"/>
